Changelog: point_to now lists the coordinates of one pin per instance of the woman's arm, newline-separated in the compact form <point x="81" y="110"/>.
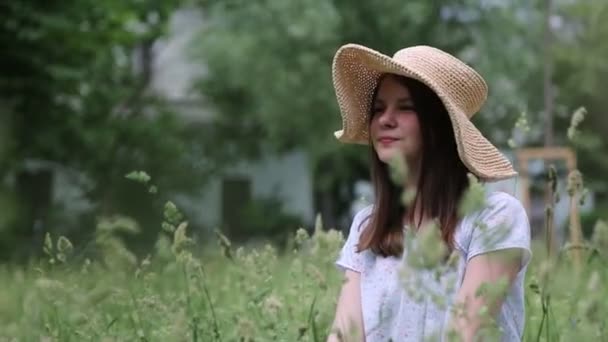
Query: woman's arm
<point x="488" y="268"/>
<point x="348" y="323"/>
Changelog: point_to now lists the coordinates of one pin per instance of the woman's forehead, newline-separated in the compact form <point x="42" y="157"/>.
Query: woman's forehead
<point x="392" y="88"/>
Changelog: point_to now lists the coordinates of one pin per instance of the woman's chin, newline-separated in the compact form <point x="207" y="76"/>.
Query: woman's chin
<point x="387" y="154"/>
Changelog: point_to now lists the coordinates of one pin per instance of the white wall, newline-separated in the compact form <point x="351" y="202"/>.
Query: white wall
<point x="173" y="75"/>
<point x="288" y="177"/>
<point x="174" y="69"/>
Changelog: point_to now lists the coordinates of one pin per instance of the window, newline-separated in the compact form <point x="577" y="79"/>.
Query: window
<point x="236" y="195"/>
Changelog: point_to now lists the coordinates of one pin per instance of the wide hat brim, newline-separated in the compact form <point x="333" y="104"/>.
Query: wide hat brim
<point x="356" y="70"/>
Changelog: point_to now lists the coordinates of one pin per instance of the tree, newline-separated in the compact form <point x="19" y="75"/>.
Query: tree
<point x="582" y="76"/>
<point x="269" y="76"/>
<point x="76" y="100"/>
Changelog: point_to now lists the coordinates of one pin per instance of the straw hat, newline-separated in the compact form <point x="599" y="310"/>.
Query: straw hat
<point x="356" y="70"/>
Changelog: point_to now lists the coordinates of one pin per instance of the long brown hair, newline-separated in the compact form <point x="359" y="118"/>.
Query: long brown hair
<point x="441" y="183"/>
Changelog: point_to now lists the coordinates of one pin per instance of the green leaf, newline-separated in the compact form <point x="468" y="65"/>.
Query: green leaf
<point x="138" y="176"/>
<point x="172" y="214"/>
<point x="64" y="245"/>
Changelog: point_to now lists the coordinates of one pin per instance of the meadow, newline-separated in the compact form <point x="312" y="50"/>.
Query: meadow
<point x="229" y="293"/>
<point x="191" y="288"/>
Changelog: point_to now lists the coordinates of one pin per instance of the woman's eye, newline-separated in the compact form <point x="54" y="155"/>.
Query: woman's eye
<point x="406" y="108"/>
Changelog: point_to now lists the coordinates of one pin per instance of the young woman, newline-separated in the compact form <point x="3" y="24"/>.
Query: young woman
<point x="417" y="105"/>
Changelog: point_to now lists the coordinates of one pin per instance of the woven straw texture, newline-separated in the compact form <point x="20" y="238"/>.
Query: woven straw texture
<point x="356" y="70"/>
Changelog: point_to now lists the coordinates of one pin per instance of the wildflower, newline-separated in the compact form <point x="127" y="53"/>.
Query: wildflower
<point x="172" y="214"/>
<point x="577" y="118"/>
<point x="301" y="237"/>
<point x="272" y="305"/>
<point x="48" y="248"/>
<point x="493" y="291"/>
<point x="85" y="266"/>
<point x="326" y="243"/>
<point x="318" y="224"/>
<point x="64" y="245"/>
<point x="163" y="247"/>
<point x="246" y="330"/>
<point x="511" y="143"/>
<point x="408" y="196"/>
<point x="240" y="253"/>
<point x="64" y="248"/>
<point x="398" y="169"/>
<point x="474" y="197"/>
<point x="97" y="295"/>
<point x="143" y="266"/>
<point x="574" y="183"/>
<point x="225" y="244"/>
<point x="600" y="235"/>
<point x="180" y="240"/>
<point x="296" y="267"/>
<point x="48" y="244"/>
<point x="138" y="176"/>
<point x="594" y="282"/>
<point x="544" y="270"/>
<point x="49" y="284"/>
<point x="591" y="309"/>
<point x="179" y="328"/>
<point x="317" y="276"/>
<point x="107" y="225"/>
<point x="428" y="250"/>
<point x="168" y="227"/>
<point x="583" y="197"/>
<point x="490" y="237"/>
<point x="521" y="125"/>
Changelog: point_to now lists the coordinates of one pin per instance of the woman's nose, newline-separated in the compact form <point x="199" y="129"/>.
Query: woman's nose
<point x="387" y="119"/>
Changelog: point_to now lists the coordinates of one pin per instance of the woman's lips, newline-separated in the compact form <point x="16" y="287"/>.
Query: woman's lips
<point x="387" y="141"/>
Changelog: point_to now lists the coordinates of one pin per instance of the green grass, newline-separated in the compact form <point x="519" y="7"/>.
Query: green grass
<point x="184" y="291"/>
<point x="174" y="296"/>
<point x="245" y="295"/>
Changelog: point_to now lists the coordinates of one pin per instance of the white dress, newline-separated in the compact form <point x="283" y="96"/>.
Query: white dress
<point x="390" y="313"/>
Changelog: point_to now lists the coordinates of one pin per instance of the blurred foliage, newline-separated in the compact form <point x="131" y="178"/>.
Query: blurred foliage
<point x="270" y="72"/>
<point x="265" y="218"/>
<point x="589" y="220"/>
<point x="581" y="77"/>
<point x="269" y="76"/>
<point x="246" y="294"/>
<point x="175" y="293"/>
<point x="74" y="100"/>
<point x="74" y="97"/>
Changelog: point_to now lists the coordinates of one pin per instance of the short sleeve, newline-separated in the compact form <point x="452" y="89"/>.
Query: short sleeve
<point x="349" y="258"/>
<point x="501" y="225"/>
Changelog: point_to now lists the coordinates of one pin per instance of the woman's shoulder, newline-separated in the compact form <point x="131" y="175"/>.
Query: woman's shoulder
<point x="500" y="210"/>
<point x="502" y="223"/>
<point x="502" y="202"/>
<point x="362" y="216"/>
<point x="497" y="204"/>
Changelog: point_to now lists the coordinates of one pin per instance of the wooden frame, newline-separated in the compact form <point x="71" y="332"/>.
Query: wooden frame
<point x="551" y="153"/>
<point x="524" y="155"/>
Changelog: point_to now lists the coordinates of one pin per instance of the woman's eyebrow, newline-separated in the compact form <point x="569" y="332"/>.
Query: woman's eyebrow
<point x="405" y="99"/>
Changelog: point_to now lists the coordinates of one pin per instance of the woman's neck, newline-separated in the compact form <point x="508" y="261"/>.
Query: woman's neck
<point x="413" y="172"/>
<point x="414" y="217"/>
<point x="415" y="208"/>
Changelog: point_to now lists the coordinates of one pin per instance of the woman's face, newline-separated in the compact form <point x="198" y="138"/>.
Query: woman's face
<point x="394" y="125"/>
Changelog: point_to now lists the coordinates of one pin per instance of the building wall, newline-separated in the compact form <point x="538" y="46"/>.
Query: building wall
<point x="288" y="176"/>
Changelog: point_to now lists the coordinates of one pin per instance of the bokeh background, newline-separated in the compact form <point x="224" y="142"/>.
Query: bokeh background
<point x="229" y="107"/>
